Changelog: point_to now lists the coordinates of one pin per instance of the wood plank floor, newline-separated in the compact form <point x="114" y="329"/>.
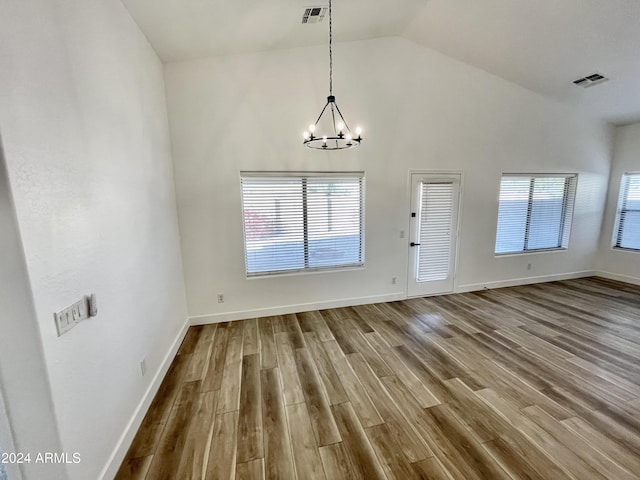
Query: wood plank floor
<point x="533" y="382"/>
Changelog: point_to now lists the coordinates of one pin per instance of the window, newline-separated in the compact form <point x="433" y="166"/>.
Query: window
<point x="302" y="222"/>
<point x="627" y="231"/>
<point x="437" y="220"/>
<point x="534" y="212"/>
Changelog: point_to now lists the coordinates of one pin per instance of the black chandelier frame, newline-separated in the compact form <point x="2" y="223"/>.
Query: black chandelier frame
<point x="341" y="138"/>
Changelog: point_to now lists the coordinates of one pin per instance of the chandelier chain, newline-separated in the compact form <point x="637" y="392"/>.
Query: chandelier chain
<point x="330" y="51"/>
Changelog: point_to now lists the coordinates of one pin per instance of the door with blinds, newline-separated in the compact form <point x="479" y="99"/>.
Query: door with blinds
<point x="433" y="234"/>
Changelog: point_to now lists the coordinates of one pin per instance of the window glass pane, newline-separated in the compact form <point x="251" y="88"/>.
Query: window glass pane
<point x="333" y="210"/>
<point x="630" y="235"/>
<point x="546" y="213"/>
<point x="437" y="203"/>
<point x="512" y="214"/>
<point x="274" y="236"/>
<point x="628" y="229"/>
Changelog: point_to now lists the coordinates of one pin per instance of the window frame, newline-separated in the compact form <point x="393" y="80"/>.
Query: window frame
<point x="625" y="181"/>
<point x="304" y="177"/>
<point x="566" y="220"/>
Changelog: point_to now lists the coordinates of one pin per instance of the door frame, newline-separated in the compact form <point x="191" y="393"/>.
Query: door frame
<point x="433" y="173"/>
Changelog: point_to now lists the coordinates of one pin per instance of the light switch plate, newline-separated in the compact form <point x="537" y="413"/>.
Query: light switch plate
<point x="69" y="317"/>
<point x="93" y="305"/>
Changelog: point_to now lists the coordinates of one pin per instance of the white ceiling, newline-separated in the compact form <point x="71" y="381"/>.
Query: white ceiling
<point x="542" y="45"/>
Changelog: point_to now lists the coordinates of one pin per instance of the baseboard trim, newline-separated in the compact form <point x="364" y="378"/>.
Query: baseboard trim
<point x="297" y="308"/>
<point x="120" y="450"/>
<point x="348" y="302"/>
<point x="618" y="277"/>
<point x="523" y="281"/>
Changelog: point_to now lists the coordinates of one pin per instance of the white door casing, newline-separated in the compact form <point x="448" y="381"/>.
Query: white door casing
<point x="435" y="200"/>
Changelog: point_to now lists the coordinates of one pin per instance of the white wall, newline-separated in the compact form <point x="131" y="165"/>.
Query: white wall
<point x="25" y="396"/>
<point x="420" y="110"/>
<point x="614" y="263"/>
<point x="85" y="132"/>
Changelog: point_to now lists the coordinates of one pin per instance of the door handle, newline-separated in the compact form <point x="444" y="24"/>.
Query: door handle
<point x="414" y="244"/>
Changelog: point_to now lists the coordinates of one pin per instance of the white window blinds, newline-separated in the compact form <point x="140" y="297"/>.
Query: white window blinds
<point x="627" y="231"/>
<point x="302" y="222"/>
<point x="534" y="212"/>
<point x="436" y="217"/>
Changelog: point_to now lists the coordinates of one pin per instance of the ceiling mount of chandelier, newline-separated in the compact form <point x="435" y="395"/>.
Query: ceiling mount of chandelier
<point x="338" y="135"/>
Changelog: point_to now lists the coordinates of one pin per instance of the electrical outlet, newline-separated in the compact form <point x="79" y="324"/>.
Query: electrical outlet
<point x="394" y="280"/>
<point x="143" y="367"/>
<point x="69" y="317"/>
<point x="221" y="298"/>
<point x="528" y="266"/>
<point x="401" y="233"/>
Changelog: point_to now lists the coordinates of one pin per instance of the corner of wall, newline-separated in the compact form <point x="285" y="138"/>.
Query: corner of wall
<point x="24" y="379"/>
<point x="620" y="278"/>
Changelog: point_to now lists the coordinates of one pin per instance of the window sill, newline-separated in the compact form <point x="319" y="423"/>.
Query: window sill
<point x="296" y="273"/>
<point x="625" y="249"/>
<point x="530" y="252"/>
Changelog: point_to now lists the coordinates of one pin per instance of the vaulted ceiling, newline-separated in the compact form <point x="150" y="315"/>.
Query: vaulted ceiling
<point x="542" y="45"/>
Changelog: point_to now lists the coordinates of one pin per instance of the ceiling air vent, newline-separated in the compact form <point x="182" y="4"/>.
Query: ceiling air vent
<point x="313" y="14"/>
<point x="590" y="80"/>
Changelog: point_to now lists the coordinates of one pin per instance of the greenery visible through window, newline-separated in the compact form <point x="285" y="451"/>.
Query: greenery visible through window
<point x="627" y="231"/>
<point x="534" y="212"/>
<point x="302" y="222"/>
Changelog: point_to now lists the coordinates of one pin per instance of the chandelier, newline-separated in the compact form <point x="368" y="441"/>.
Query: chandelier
<point x="339" y="135"/>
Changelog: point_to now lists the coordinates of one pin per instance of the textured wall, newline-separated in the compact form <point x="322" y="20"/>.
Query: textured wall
<point x="85" y="132"/>
<point x="24" y="388"/>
